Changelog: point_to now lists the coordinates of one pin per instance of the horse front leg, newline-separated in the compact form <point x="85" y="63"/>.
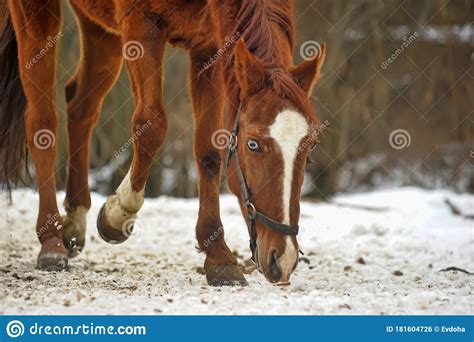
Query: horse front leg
<point x="208" y="101"/>
<point x="117" y="216"/>
<point x="37" y="30"/>
<point x="98" y="70"/>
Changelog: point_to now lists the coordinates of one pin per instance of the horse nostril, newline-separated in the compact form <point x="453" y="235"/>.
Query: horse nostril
<point x="275" y="270"/>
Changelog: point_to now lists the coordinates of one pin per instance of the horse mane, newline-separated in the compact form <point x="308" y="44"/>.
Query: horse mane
<point x="267" y="28"/>
<point x="255" y="21"/>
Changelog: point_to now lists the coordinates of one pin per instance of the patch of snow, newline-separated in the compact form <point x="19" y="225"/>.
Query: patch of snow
<point x="365" y="253"/>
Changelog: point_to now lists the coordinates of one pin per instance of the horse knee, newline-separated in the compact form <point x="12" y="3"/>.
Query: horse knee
<point x="210" y="164"/>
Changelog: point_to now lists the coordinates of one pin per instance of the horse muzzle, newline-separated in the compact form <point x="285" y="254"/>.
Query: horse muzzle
<point x="276" y="266"/>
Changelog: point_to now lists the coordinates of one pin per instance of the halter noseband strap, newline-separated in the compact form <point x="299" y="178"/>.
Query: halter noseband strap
<point x="252" y="213"/>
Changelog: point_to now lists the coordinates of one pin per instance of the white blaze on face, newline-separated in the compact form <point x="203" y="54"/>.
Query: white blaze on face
<point x="287" y="131"/>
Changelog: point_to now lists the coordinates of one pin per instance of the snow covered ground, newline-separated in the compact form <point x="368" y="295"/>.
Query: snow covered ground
<point x="369" y="253"/>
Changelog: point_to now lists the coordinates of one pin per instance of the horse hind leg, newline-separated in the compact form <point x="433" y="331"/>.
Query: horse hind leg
<point x="36" y="26"/>
<point x="98" y="70"/>
<point x="117" y="216"/>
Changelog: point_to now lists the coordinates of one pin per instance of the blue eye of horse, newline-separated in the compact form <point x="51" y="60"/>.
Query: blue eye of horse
<point x="253" y="145"/>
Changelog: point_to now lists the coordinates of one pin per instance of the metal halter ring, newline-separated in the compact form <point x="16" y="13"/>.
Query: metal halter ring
<point x="232" y="141"/>
<point x="250" y="210"/>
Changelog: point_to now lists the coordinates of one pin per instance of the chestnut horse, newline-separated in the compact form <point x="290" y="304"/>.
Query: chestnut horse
<point x="240" y="52"/>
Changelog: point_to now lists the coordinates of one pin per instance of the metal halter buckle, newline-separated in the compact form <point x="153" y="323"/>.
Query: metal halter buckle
<point x="233" y="141"/>
<point x="250" y="210"/>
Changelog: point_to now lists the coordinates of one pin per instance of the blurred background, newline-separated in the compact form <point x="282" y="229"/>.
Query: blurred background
<point x="397" y="93"/>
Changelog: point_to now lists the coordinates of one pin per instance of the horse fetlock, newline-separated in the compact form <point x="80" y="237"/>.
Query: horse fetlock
<point x="75" y="230"/>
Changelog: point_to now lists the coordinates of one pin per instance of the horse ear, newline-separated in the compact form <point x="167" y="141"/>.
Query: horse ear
<point x="249" y="72"/>
<point x="308" y="72"/>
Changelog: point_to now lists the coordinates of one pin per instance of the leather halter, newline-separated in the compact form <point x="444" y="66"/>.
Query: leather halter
<point x="252" y="213"/>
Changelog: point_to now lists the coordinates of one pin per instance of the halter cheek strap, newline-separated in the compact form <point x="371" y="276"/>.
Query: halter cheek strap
<point x="252" y="213"/>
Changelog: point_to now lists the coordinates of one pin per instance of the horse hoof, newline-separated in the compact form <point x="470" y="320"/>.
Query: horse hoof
<point x="110" y="234"/>
<point x="53" y="255"/>
<point x="74" y="246"/>
<point x="52" y="262"/>
<point x="225" y="275"/>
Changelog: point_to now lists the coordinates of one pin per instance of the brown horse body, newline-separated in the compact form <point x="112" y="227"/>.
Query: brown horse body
<point x="257" y="72"/>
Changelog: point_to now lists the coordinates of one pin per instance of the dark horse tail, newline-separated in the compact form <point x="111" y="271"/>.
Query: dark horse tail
<point x="13" y="151"/>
